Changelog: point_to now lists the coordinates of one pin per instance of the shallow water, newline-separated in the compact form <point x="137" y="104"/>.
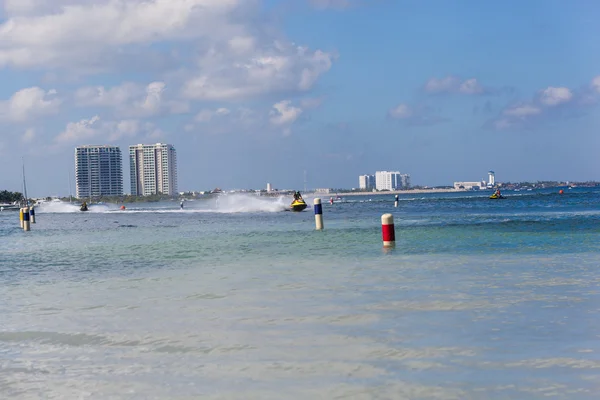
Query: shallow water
<point x="480" y="299"/>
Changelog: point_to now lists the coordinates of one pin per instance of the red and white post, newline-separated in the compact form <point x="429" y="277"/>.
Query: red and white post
<point x="387" y="230"/>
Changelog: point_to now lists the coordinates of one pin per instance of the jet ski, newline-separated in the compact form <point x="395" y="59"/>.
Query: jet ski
<point x="496" y="196"/>
<point x="298" y="205"/>
<point x="83" y="207"/>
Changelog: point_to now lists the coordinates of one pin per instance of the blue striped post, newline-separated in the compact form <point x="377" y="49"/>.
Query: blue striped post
<point x="318" y="214"/>
<point x="26" y="225"/>
<point x="32" y="214"/>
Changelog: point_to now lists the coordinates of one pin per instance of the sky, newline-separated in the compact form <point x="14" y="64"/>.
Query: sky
<point x="257" y="91"/>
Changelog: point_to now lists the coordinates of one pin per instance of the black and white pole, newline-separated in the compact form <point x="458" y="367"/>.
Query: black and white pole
<point x="26" y="225"/>
<point x="318" y="214"/>
<point x="396" y="201"/>
<point x="32" y="214"/>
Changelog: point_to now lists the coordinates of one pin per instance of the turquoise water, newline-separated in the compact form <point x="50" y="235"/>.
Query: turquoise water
<point x="236" y="299"/>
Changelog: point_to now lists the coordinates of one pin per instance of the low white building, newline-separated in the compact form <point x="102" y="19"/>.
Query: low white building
<point x="470" y="185"/>
<point x="325" y="191"/>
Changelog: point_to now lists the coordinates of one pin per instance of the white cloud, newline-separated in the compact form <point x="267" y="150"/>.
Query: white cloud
<point x="131" y="100"/>
<point x="502" y="123"/>
<point x="208" y="115"/>
<point x="447" y="84"/>
<point x="522" y="111"/>
<point x="239" y="53"/>
<point x="401" y="111"/>
<point x="99" y="96"/>
<point x="225" y="121"/>
<point x="323" y="4"/>
<point x="152" y="102"/>
<point x="416" y="116"/>
<point x="28" y="136"/>
<point x="94" y="128"/>
<point x="64" y="35"/>
<point x="470" y="86"/>
<point x="29" y="103"/>
<point x="542" y="107"/>
<point x="283" y="113"/>
<point x="79" y="131"/>
<point x="242" y="44"/>
<point x="311" y="102"/>
<point x="279" y="118"/>
<point x="129" y="127"/>
<point x="452" y="84"/>
<point x="283" y="68"/>
<point x="553" y="96"/>
<point x="596" y="84"/>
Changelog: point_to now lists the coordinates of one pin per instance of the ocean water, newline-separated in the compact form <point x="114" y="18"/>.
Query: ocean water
<point x="236" y="299"/>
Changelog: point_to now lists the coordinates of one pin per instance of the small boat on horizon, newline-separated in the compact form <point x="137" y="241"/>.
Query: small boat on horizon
<point x="10" y="206"/>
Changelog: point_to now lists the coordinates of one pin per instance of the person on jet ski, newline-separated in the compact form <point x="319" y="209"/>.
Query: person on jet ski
<point x="498" y="193"/>
<point x="297" y="195"/>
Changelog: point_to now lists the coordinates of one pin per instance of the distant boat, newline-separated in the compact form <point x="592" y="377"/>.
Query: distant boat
<point x="9" y="206"/>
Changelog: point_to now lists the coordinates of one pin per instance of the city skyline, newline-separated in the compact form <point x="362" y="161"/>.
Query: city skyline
<point x="99" y="170"/>
<point x="255" y="91"/>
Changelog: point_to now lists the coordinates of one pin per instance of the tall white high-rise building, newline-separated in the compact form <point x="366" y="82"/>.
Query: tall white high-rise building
<point x="153" y="169"/>
<point x="405" y="181"/>
<point x="491" y="179"/>
<point x="366" y="182"/>
<point x="391" y="180"/>
<point x="98" y="171"/>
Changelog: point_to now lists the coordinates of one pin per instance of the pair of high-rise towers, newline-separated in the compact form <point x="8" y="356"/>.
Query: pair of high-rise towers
<point x="99" y="170"/>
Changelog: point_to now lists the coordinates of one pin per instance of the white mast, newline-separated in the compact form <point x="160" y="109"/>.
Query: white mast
<point x="25" y="185"/>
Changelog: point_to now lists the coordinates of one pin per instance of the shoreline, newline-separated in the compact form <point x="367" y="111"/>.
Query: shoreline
<point x="394" y="192"/>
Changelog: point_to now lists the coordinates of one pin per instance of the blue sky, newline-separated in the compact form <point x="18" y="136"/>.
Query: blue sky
<point x="252" y="91"/>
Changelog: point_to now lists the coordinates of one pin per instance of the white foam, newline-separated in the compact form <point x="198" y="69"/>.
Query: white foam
<point x="64" y="207"/>
<point x="229" y="203"/>
<point x="239" y="203"/>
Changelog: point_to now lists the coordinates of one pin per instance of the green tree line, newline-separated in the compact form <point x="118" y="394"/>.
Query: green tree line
<point x="10" y="197"/>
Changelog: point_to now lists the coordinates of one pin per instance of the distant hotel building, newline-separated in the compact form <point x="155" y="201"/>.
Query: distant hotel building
<point x="98" y="171"/>
<point x="386" y="180"/>
<point x="470" y="185"/>
<point x="366" y="182"/>
<point x="153" y="169"/>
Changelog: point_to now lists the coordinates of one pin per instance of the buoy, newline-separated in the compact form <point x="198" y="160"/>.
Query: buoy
<point x="122" y="207"/>
<point x="396" y="201"/>
<point x="32" y="215"/>
<point x="26" y="225"/>
<point x="387" y="230"/>
<point x="318" y="214"/>
<point x="561" y="191"/>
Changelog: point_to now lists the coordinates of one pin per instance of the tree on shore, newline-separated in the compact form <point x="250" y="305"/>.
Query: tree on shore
<point x="10" y="197"/>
